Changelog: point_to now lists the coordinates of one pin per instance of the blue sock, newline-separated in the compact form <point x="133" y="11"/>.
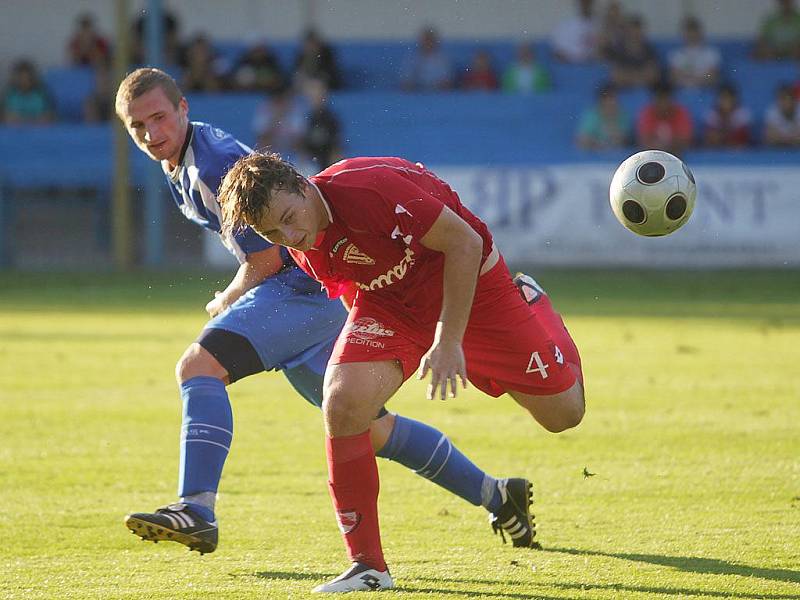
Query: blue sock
<point x="432" y="455"/>
<point x="206" y="437"/>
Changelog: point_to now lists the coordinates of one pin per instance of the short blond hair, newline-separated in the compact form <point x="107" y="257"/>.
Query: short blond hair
<point x="142" y="81"/>
<point x="246" y="190"/>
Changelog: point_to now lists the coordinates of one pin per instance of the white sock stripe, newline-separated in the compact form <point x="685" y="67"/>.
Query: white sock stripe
<point x="207" y="442"/>
<point x="518" y="534"/>
<point x="446" y="458"/>
<point x="230" y="433"/>
<point x="442" y="440"/>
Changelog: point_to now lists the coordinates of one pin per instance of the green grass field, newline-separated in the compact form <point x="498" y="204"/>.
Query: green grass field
<point x="692" y="431"/>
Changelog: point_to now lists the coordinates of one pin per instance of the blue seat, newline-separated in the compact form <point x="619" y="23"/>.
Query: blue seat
<point x="232" y="112"/>
<point x="70" y="87"/>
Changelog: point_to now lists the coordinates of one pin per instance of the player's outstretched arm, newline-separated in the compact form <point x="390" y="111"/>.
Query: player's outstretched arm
<point x="255" y="269"/>
<point x="462" y="248"/>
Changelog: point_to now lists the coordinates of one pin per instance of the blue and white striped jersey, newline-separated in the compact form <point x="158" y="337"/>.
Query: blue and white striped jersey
<point x="209" y="154"/>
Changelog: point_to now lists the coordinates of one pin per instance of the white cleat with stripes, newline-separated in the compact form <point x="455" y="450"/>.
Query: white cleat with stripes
<point x="175" y="523"/>
<point x="514" y="517"/>
<point x="358" y="578"/>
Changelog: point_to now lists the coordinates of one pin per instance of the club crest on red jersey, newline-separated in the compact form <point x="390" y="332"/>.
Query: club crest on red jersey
<point x="355" y="256"/>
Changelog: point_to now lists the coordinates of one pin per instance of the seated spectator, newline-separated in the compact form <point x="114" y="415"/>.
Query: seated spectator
<point x="607" y="125"/>
<point x="664" y="124"/>
<point x="173" y="54"/>
<point x="97" y="106"/>
<point x="780" y="34"/>
<point x="258" y="71"/>
<point x="317" y="61"/>
<point x="87" y="46"/>
<point x="480" y="74"/>
<point x="612" y="29"/>
<point x="428" y="69"/>
<point x="634" y="62"/>
<point x="727" y="125"/>
<point x="782" y="120"/>
<point x="320" y="143"/>
<point x="26" y="100"/>
<point x="279" y="123"/>
<point x="526" y="74"/>
<point x="575" y="39"/>
<point x="200" y="68"/>
<point x="696" y="63"/>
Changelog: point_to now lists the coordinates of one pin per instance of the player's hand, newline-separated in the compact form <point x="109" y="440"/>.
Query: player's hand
<point x="217" y="305"/>
<point x="447" y="364"/>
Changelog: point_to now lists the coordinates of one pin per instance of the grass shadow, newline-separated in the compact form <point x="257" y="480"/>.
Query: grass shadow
<point x="694" y="564"/>
<point x="615" y="587"/>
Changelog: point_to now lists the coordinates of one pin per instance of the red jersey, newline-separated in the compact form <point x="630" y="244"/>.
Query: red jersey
<point x="380" y="208"/>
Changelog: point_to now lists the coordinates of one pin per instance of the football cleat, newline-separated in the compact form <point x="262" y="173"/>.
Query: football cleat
<point x="528" y="288"/>
<point x="358" y="578"/>
<point x="175" y="523"/>
<point x="514" y="516"/>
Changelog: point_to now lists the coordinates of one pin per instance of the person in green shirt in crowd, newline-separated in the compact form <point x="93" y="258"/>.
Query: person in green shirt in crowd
<point x="780" y="34"/>
<point x="606" y="125"/>
<point x="526" y="74"/>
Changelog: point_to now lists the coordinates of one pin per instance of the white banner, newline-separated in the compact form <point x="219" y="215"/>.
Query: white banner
<point x="560" y="215"/>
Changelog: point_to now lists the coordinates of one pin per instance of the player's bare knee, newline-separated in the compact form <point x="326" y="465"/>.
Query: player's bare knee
<point x="570" y="414"/>
<point x="343" y="412"/>
<point x="196" y="361"/>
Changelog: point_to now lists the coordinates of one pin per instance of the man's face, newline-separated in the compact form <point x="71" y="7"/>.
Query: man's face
<point x="291" y="219"/>
<point x="157" y="127"/>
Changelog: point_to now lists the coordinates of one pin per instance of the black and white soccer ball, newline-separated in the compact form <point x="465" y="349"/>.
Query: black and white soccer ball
<point x="653" y="193"/>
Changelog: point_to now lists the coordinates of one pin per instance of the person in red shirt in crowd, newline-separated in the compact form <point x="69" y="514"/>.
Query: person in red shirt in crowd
<point x="427" y="291"/>
<point x="664" y="124"/>
<point x="87" y="46"/>
<point x="480" y="74"/>
<point x="727" y="125"/>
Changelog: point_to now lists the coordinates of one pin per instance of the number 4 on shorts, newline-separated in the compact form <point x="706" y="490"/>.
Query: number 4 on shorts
<point x="541" y="367"/>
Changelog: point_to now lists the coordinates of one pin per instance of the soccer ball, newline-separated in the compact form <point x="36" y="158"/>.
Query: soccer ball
<point x="653" y="193"/>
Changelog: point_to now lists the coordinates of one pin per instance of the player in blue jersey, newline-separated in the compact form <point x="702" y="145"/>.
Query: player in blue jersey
<point x="270" y="317"/>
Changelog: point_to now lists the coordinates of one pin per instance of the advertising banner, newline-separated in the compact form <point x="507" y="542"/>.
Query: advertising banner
<point x="561" y="216"/>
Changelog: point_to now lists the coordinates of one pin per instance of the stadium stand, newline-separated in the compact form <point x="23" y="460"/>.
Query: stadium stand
<point x="452" y="128"/>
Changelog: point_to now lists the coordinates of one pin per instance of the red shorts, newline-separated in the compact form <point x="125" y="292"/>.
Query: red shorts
<point x="508" y="344"/>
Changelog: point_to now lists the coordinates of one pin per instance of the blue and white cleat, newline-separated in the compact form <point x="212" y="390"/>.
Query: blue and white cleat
<point x="358" y="578"/>
<point x="175" y="523"/>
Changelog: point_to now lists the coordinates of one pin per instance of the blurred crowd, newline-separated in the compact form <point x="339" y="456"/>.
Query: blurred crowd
<point x="295" y="117"/>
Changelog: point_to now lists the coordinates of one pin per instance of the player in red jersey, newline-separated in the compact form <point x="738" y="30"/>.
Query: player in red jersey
<point x="427" y="291"/>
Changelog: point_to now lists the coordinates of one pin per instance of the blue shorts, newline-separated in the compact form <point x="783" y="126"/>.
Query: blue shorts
<point x="287" y="324"/>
